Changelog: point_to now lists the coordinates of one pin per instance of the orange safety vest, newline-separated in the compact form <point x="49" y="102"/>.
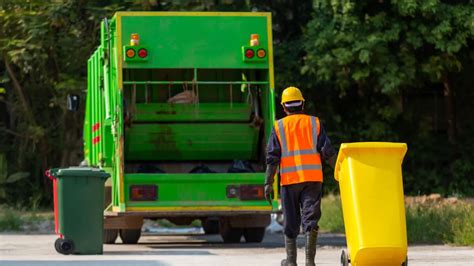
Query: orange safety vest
<point x="300" y="160"/>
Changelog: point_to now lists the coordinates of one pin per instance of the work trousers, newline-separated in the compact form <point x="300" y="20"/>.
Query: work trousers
<point x="301" y="205"/>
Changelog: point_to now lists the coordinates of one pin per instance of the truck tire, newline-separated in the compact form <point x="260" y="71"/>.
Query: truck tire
<point x="110" y="235"/>
<point x="230" y="234"/>
<point x="210" y="227"/>
<point x="254" y="234"/>
<point x="130" y="236"/>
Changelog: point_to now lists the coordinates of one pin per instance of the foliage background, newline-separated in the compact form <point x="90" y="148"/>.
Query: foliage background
<point x="383" y="70"/>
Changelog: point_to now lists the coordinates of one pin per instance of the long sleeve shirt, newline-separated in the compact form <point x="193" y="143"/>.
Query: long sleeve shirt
<point x="274" y="148"/>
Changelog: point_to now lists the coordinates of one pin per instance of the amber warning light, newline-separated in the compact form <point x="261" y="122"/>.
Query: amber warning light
<point x="130" y="53"/>
<point x="134" y="39"/>
<point x="254" y="40"/>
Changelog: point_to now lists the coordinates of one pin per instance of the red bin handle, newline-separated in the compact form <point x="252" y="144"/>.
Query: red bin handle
<point x="48" y="174"/>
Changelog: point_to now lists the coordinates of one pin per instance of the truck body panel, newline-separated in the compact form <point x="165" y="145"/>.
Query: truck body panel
<point x="130" y="123"/>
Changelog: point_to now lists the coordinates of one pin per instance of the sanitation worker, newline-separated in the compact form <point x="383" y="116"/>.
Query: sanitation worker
<point x="296" y="146"/>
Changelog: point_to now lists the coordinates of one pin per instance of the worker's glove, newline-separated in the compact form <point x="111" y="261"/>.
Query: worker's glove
<point x="269" y="179"/>
<point x="268" y="193"/>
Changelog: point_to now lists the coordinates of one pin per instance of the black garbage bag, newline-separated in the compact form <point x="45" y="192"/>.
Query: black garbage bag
<point x="149" y="169"/>
<point x="201" y="169"/>
<point x="239" y="166"/>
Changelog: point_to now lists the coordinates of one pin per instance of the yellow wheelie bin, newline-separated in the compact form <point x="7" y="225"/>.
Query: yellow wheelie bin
<point x="371" y="187"/>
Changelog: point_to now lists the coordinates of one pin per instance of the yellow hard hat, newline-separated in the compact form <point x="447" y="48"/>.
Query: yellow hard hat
<point x="291" y="94"/>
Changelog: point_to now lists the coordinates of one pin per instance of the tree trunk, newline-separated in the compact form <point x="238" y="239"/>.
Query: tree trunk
<point x="21" y="94"/>
<point x="450" y="110"/>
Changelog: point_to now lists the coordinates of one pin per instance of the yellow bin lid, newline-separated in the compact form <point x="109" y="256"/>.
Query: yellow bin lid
<point x="347" y="149"/>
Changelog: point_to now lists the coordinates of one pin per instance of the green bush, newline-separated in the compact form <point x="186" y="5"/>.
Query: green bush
<point x="427" y="223"/>
<point x="463" y="226"/>
<point x="441" y="223"/>
<point x="25" y="220"/>
<point x="331" y="218"/>
<point x="9" y="221"/>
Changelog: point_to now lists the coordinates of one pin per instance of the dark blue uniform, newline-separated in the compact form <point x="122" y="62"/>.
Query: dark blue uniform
<point x="301" y="202"/>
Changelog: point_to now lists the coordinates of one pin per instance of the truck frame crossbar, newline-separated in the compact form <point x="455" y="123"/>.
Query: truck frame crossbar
<point x="196" y="82"/>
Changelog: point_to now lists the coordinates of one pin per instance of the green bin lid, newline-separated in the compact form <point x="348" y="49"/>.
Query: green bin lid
<point x="80" y="172"/>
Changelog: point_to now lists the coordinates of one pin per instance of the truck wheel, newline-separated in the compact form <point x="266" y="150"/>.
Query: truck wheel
<point x="64" y="246"/>
<point x="254" y="234"/>
<point x="230" y="234"/>
<point x="210" y="227"/>
<point x="130" y="236"/>
<point x="110" y="235"/>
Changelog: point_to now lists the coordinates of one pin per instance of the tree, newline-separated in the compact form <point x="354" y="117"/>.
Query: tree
<point x="387" y="46"/>
<point x="373" y="51"/>
<point x="44" y="48"/>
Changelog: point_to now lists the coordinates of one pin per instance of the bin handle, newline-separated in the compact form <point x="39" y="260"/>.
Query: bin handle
<point x="49" y="175"/>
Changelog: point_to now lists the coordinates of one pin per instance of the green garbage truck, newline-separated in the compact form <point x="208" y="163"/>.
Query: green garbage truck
<point x="179" y="107"/>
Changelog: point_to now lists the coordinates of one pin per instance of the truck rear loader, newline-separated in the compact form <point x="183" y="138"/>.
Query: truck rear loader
<point x="179" y="109"/>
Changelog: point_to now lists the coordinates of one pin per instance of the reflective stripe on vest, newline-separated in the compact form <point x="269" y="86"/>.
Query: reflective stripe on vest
<point x="290" y="169"/>
<point x="304" y="164"/>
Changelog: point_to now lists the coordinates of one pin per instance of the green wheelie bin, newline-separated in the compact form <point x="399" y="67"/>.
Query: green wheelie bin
<point x="78" y="209"/>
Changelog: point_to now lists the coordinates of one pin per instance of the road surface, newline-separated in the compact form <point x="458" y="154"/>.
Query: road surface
<point x="21" y="249"/>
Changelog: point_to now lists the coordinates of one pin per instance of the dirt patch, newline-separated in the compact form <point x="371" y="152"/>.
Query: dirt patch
<point x="435" y="200"/>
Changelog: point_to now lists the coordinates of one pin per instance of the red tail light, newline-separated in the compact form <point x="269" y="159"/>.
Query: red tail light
<point x="252" y="192"/>
<point x="142" y="53"/>
<point x="143" y="192"/>
<point x="249" y="53"/>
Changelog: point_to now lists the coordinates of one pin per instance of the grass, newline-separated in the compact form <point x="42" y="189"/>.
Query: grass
<point x="12" y="220"/>
<point x="331" y="218"/>
<point x="427" y="223"/>
<point x="9" y="220"/>
<point x="441" y="223"/>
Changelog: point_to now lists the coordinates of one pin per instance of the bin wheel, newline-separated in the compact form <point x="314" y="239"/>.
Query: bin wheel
<point x="210" y="227"/>
<point x="344" y="259"/>
<point x="405" y="263"/>
<point x="130" y="236"/>
<point x="64" y="246"/>
<point x="56" y="245"/>
<point x="110" y="235"/>
<point x="228" y="233"/>
<point x="254" y="234"/>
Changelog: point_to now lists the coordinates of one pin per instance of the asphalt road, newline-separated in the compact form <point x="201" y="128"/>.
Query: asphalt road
<point x="20" y="249"/>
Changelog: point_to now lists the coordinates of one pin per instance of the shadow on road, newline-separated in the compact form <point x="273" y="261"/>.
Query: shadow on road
<point x="168" y="242"/>
<point x="164" y="252"/>
<point x="85" y="263"/>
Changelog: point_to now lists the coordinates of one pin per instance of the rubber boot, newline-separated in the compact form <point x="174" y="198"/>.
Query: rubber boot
<point x="290" y="246"/>
<point x="310" y="249"/>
